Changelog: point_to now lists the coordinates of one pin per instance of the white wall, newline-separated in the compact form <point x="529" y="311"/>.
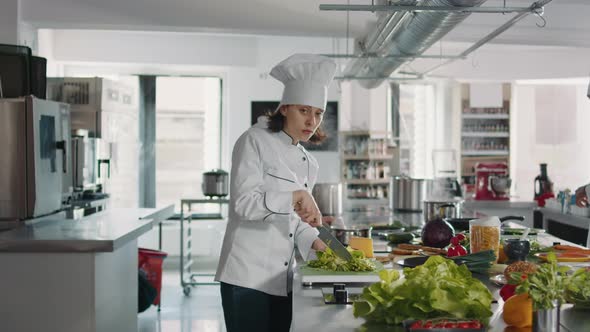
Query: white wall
<point x="569" y="162"/>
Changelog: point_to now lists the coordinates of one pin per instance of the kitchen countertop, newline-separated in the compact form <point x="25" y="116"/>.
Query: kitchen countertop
<point x="311" y="314"/>
<point x="101" y="232"/>
<point x="513" y="203"/>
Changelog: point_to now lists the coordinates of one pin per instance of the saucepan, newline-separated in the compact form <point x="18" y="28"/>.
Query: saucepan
<point x="343" y="234"/>
<point x="462" y="224"/>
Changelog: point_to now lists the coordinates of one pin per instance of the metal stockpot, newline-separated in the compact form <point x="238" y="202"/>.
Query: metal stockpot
<point x="442" y="209"/>
<point x="328" y="197"/>
<point x="344" y="234"/>
<point x="215" y="183"/>
<point x="408" y="194"/>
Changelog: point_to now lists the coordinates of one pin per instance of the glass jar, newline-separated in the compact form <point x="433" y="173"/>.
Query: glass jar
<point x="484" y="234"/>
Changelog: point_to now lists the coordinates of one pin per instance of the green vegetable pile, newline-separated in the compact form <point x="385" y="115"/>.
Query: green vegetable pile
<point x="480" y="262"/>
<point x="546" y="285"/>
<point x="438" y="288"/>
<point x="578" y="289"/>
<point x="328" y="260"/>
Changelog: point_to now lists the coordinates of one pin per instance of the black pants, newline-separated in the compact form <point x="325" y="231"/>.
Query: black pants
<point x="247" y="309"/>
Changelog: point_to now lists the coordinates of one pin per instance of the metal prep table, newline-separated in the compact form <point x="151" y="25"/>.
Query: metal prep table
<point x="187" y="277"/>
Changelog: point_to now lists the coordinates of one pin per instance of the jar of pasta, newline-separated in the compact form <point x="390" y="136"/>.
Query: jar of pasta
<point x="484" y="234"/>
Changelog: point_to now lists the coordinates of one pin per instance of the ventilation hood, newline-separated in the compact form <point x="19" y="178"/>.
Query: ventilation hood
<point x="403" y="34"/>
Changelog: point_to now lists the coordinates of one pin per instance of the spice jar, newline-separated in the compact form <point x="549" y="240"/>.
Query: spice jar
<point x="484" y="234"/>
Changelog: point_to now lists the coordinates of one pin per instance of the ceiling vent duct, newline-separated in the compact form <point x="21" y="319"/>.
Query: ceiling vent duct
<point x="403" y="34"/>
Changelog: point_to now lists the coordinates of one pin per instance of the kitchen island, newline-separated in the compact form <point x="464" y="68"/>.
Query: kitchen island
<point x="67" y="275"/>
<point x="311" y="314"/>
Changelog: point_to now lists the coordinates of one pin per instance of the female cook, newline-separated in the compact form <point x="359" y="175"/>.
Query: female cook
<point x="271" y="209"/>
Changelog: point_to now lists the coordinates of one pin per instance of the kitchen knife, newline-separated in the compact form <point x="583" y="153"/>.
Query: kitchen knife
<point x="333" y="243"/>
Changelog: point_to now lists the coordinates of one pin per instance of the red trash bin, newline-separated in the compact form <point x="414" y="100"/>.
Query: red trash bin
<point x="151" y="262"/>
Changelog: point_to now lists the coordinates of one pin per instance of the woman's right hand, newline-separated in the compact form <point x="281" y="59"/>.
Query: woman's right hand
<point x="306" y="208"/>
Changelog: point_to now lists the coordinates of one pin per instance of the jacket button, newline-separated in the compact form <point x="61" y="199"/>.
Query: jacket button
<point x="304" y="159"/>
<point x="305" y="185"/>
<point x="291" y="235"/>
<point x="286" y="263"/>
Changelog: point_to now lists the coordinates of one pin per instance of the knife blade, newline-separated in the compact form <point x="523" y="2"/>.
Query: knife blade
<point x="333" y="243"/>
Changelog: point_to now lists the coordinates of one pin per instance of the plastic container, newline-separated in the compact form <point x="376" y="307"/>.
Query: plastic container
<point x="151" y="262"/>
<point x="484" y="234"/>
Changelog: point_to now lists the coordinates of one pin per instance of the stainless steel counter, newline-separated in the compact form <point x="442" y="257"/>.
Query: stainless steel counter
<point x="311" y="314"/>
<point x="502" y="205"/>
<point x="101" y="232"/>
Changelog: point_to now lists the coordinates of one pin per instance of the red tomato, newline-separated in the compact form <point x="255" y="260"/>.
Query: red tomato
<point x="450" y="325"/>
<point x="464" y="325"/>
<point x="460" y="236"/>
<point x="417" y="324"/>
<point x="475" y="325"/>
<point x="427" y="324"/>
<point x="455" y="241"/>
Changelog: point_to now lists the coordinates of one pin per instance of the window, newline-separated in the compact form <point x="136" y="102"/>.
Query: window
<point x="188" y="135"/>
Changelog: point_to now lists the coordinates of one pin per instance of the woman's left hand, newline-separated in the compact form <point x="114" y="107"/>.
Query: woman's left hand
<point x="318" y="245"/>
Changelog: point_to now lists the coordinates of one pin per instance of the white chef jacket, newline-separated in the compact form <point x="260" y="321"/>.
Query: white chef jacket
<point x="263" y="229"/>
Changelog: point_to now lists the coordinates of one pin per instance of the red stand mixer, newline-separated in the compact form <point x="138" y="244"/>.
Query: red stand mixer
<point x="491" y="181"/>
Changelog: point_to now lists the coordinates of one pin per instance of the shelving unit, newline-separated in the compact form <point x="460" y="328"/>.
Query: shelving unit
<point x="366" y="158"/>
<point x="485" y="134"/>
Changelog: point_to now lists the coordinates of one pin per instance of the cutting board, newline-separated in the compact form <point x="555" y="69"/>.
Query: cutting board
<point x="314" y="275"/>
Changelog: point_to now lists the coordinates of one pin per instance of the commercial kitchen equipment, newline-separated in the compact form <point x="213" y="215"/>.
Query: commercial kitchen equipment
<point x="408" y="193"/>
<point x="21" y="73"/>
<point x="543" y="185"/>
<point x="188" y="278"/>
<point x="434" y="209"/>
<point x="215" y="183"/>
<point x="35" y="175"/>
<point x="328" y="197"/>
<point x="445" y="184"/>
<point x="108" y="110"/>
<point x="489" y="180"/>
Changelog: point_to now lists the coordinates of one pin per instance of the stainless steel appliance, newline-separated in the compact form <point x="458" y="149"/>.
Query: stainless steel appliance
<point x="108" y="111"/>
<point x="408" y="193"/>
<point x="215" y="183"/>
<point x="84" y="161"/>
<point x="442" y="209"/>
<point x="34" y="167"/>
<point x="328" y="197"/>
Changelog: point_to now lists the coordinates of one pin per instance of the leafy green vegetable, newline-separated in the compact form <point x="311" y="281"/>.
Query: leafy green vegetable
<point x="578" y="288"/>
<point x="328" y="260"/>
<point x="480" y="262"/>
<point x="546" y="285"/>
<point x="438" y="288"/>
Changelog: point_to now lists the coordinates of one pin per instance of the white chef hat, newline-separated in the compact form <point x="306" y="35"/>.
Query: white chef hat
<point x="306" y="78"/>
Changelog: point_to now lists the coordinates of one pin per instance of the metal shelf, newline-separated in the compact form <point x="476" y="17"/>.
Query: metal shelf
<point x="367" y="157"/>
<point x="486" y="116"/>
<point x="485" y="153"/>
<point x="186" y="257"/>
<point x="485" y="134"/>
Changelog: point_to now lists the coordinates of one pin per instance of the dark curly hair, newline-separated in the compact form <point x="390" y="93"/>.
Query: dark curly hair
<point x="276" y="122"/>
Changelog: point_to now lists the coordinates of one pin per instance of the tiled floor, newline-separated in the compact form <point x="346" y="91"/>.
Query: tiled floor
<point x="199" y="312"/>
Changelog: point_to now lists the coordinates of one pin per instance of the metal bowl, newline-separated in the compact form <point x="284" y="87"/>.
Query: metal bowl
<point x="344" y="234"/>
<point x="501" y="185"/>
